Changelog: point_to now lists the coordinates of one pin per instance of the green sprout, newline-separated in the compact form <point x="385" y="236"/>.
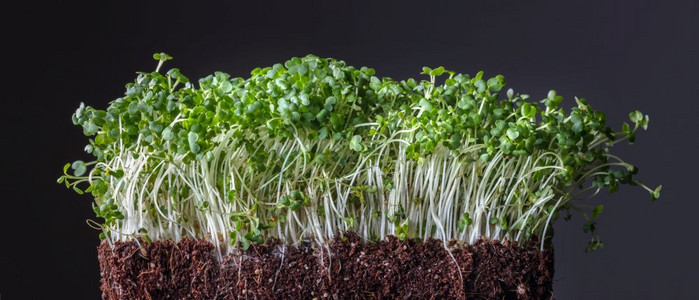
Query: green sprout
<point x="314" y="147"/>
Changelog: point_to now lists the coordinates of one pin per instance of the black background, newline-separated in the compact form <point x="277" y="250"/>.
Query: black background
<point x="620" y="55"/>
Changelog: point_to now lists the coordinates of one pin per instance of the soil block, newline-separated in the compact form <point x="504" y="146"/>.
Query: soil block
<point x="346" y="268"/>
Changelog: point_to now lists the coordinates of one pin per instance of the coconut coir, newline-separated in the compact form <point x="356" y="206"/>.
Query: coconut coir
<point x="347" y="268"/>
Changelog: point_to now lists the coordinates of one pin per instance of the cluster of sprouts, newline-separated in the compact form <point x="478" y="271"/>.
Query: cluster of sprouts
<point x="313" y="148"/>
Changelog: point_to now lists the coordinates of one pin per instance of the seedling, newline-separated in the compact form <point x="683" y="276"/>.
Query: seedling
<point x="314" y="147"/>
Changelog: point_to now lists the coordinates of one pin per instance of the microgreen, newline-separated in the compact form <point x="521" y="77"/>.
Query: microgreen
<point x="314" y="147"/>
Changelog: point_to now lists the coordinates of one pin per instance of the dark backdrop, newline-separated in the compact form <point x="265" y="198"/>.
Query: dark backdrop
<point x="620" y="55"/>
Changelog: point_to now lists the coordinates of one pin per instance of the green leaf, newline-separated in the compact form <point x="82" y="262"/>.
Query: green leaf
<point x="589" y="227"/>
<point x="168" y="135"/>
<point x="480" y="85"/>
<point x="503" y="223"/>
<point x="323" y="133"/>
<point x="512" y="133"/>
<point x="496" y="83"/>
<point x="118" y="173"/>
<point x="375" y="83"/>
<point x="162" y="56"/>
<point x="594" y="245"/>
<point x="478" y="76"/>
<point x="402" y="230"/>
<point x="244" y="242"/>
<point x="203" y="205"/>
<point x="234" y="237"/>
<point x="437" y="72"/>
<point x="528" y="110"/>
<point x="329" y="103"/>
<point x="322" y="114"/>
<point x="636" y="116"/>
<point x="426" y="105"/>
<point x="625" y="128"/>
<point x="356" y="143"/>
<point x="577" y="122"/>
<point x="78" y="190"/>
<point x="519" y="152"/>
<point x="192" y="138"/>
<point x="79" y="168"/>
<point x="336" y="121"/>
<point x="464" y="221"/>
<point x="254" y="236"/>
<point x="597" y="210"/>
<point x="656" y="193"/>
<point x="304" y="100"/>
<point x="644" y="122"/>
<point x="455" y="140"/>
<point x="293" y="200"/>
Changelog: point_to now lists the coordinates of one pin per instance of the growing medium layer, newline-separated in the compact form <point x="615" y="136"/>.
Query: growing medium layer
<point x="348" y="268"/>
<point x="314" y="147"/>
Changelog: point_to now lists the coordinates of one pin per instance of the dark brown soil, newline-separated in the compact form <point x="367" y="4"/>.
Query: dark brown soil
<point x="349" y="269"/>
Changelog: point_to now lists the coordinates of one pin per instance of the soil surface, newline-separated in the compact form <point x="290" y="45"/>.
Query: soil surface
<point x="348" y="268"/>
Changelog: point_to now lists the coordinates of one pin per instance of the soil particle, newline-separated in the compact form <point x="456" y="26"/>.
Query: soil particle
<point x="346" y="268"/>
